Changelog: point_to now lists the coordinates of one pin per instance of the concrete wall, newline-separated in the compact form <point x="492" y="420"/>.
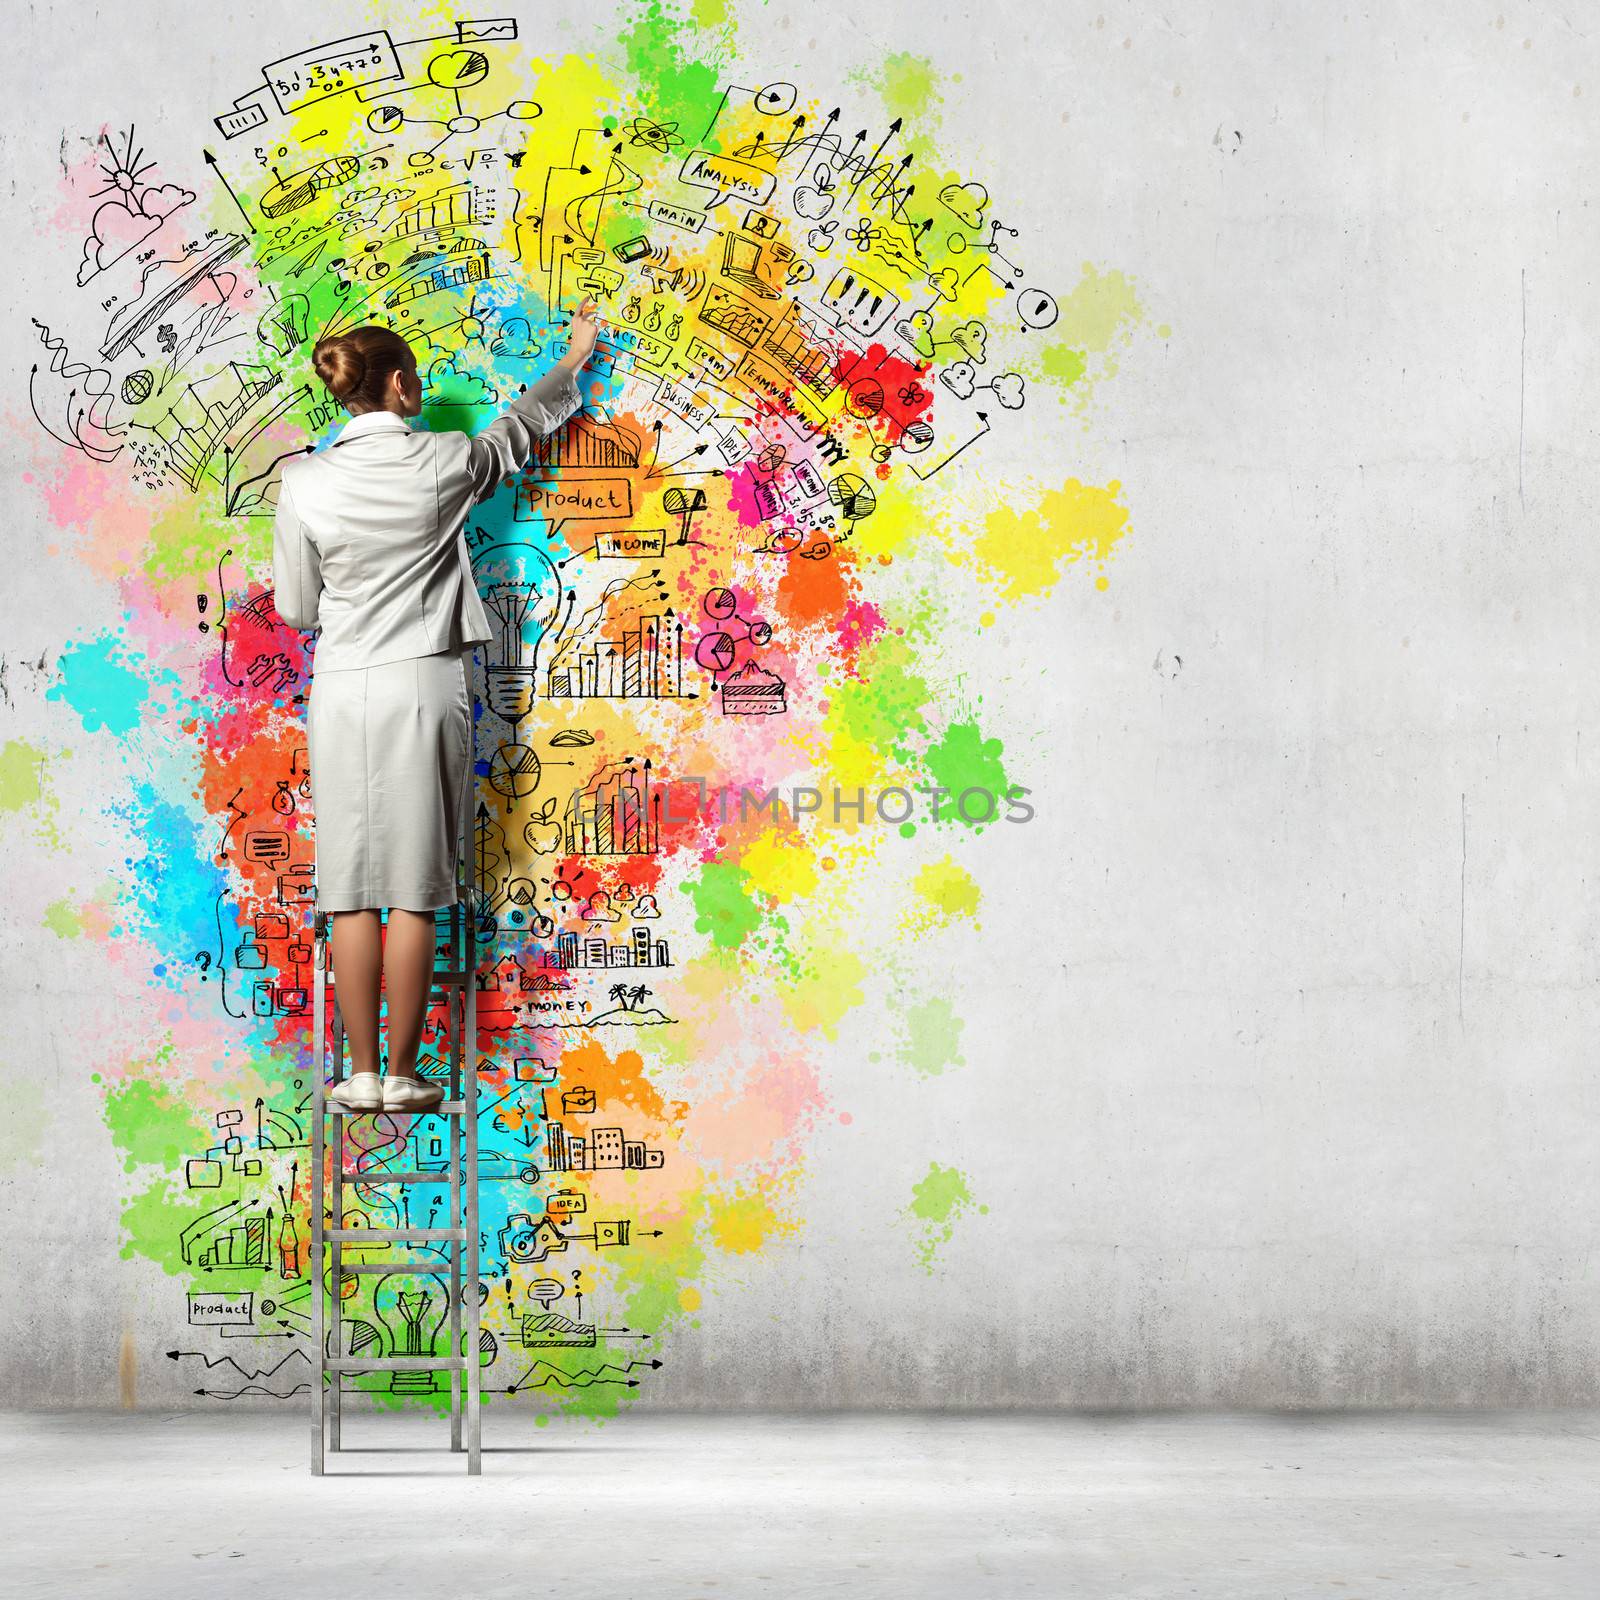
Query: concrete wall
<point x="1279" y="1085"/>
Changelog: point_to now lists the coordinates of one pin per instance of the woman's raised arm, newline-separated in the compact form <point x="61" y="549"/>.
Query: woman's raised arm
<point x="507" y="444"/>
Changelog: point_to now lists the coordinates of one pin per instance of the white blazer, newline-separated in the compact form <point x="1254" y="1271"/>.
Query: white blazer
<point x="368" y="543"/>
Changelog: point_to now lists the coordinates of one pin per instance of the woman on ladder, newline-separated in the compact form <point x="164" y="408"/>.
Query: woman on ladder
<point x="369" y="547"/>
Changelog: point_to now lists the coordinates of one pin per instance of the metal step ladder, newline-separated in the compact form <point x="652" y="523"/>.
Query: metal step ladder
<point x="457" y="982"/>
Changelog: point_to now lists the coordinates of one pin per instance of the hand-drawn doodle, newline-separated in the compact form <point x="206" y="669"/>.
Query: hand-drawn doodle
<point x="800" y="328"/>
<point x="135" y="211"/>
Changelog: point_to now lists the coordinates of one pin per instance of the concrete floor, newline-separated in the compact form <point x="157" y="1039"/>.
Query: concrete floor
<point x="1404" y="1506"/>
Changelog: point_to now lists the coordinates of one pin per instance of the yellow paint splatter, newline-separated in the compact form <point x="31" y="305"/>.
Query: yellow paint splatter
<point x="780" y="865"/>
<point x="820" y="997"/>
<point x="1025" y="552"/>
<point x="945" y="891"/>
<point x="25" y="788"/>
<point x="743" y="1221"/>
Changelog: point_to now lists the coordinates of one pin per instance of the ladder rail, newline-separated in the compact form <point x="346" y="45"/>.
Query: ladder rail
<point x="457" y="1012"/>
<point x="469" y="1064"/>
<point x="463" y="1363"/>
<point x="319" y="956"/>
<point x="336" y="1237"/>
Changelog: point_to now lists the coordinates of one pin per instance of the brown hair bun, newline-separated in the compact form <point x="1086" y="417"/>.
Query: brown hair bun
<point x="339" y="364"/>
<point x="356" y="365"/>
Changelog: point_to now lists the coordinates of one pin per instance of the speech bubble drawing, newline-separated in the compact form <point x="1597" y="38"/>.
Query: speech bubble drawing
<point x="266" y="844"/>
<point x="580" y="500"/>
<point x="724" y="176"/>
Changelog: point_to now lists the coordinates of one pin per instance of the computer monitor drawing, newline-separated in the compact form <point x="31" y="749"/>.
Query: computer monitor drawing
<point x="742" y="259"/>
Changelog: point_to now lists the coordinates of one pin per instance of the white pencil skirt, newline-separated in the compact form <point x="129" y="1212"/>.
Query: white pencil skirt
<point x="390" y="755"/>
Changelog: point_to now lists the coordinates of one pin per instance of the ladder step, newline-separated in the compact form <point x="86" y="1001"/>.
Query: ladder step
<point x="392" y="1235"/>
<point x="445" y="1108"/>
<point x="395" y="1364"/>
<point x="449" y="978"/>
<point x="394" y="1177"/>
<point x="426" y="1264"/>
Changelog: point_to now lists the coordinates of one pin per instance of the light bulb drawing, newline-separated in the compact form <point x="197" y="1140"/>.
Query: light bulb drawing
<point x="411" y="1311"/>
<point x="511" y="678"/>
<point x="526" y="600"/>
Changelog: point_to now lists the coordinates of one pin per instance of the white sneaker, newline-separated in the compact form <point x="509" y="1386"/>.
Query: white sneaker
<point x="361" y="1091"/>
<point x="410" y="1094"/>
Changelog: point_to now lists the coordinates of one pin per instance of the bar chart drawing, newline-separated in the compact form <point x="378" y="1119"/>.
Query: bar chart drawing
<point x="583" y="444"/>
<point x="618" y="814"/>
<point x="230" y="1236"/>
<point x="808" y="363"/>
<point x="637" y="655"/>
<point x="460" y="207"/>
<point x="447" y="275"/>
<point x="646" y="663"/>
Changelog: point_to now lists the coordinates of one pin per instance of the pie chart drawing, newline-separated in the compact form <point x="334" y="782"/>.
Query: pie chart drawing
<point x="515" y="771"/>
<point x="715" y="652"/>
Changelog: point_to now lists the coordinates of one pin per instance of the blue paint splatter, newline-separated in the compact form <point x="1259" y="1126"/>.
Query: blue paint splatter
<point x="177" y="885"/>
<point x="101" y="686"/>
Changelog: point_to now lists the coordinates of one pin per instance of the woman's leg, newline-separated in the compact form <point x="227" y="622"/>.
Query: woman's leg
<point x="357" y="942"/>
<point x="408" y="971"/>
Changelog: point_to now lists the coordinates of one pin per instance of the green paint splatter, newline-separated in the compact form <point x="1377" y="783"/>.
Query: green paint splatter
<point x="723" y="906"/>
<point x="1096" y="319"/>
<point x="664" y="56"/>
<point x="152" y="1125"/>
<point x="886" y="702"/>
<point x="1062" y="363"/>
<point x="907" y="85"/>
<point x="938" y="1202"/>
<point x="155" y="1217"/>
<point x="933" y="1037"/>
<point x="68" y="919"/>
<point x="20" y="782"/>
<point x="23" y="786"/>
<point x="963" y="759"/>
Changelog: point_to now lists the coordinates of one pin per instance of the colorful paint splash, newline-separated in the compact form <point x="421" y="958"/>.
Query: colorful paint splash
<point x="723" y="703"/>
<point x="939" y="1200"/>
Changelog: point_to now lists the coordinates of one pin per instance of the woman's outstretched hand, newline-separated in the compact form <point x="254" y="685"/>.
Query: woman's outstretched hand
<point x="582" y="332"/>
